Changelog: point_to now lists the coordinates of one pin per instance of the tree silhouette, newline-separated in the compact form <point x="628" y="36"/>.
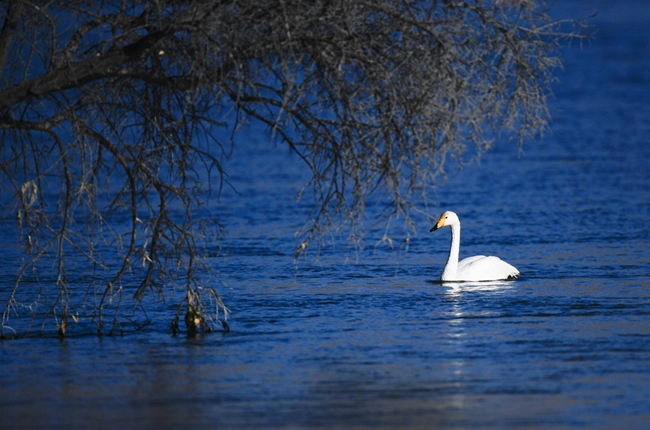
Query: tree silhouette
<point x="111" y="115"/>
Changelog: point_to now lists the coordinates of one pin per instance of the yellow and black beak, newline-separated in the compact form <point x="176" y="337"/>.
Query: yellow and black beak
<point x="439" y="224"/>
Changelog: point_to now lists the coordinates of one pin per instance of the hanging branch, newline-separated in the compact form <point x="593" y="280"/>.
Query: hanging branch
<point x="110" y="121"/>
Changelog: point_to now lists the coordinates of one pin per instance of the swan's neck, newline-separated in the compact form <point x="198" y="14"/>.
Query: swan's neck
<point x="449" y="273"/>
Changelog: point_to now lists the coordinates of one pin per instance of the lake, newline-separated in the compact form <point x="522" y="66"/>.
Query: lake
<point x="358" y="338"/>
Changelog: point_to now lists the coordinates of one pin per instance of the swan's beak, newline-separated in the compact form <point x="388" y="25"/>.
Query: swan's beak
<point x="439" y="224"/>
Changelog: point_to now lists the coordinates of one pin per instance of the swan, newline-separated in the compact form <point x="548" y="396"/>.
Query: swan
<point x="477" y="268"/>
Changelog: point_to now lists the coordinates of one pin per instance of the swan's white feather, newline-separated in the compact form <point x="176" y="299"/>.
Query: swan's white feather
<point x="476" y="268"/>
<point x="482" y="268"/>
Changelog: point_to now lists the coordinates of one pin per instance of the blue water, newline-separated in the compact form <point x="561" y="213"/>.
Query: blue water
<point x="365" y="337"/>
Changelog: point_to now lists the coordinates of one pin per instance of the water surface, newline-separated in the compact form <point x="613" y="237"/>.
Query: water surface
<point x="368" y="338"/>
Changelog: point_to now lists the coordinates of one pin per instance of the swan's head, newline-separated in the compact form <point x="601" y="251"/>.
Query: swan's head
<point x="446" y="219"/>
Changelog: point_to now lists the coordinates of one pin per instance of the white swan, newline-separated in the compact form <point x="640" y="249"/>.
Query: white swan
<point x="477" y="268"/>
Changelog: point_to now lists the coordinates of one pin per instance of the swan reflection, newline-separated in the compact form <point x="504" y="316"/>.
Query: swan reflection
<point x="458" y="288"/>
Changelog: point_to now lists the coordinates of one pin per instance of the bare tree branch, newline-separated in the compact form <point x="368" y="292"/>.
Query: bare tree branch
<point x="110" y="117"/>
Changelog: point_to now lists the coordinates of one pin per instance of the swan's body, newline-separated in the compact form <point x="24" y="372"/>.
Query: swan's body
<point x="477" y="268"/>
